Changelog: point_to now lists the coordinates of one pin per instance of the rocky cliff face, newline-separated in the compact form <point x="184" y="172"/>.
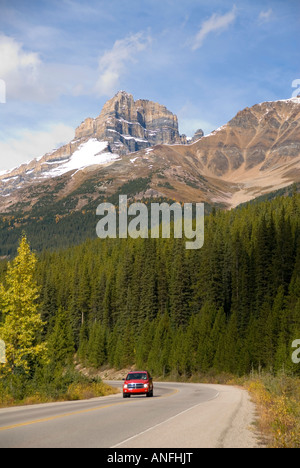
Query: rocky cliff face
<point x="198" y="134"/>
<point x="123" y="126"/>
<point x="130" y="126"/>
<point x="256" y="152"/>
<point x="257" y="139"/>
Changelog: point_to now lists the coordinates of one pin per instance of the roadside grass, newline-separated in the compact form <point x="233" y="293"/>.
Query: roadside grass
<point x="18" y="392"/>
<point x="277" y="399"/>
<point x="84" y="391"/>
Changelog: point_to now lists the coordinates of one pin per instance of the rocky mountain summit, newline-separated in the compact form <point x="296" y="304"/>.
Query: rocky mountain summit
<point x="256" y="152"/>
<point x="134" y="148"/>
<point x="124" y="126"/>
<point x="130" y="126"/>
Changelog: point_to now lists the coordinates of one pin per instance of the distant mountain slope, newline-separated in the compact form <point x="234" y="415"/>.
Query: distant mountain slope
<point x="256" y="152"/>
<point x="123" y="126"/>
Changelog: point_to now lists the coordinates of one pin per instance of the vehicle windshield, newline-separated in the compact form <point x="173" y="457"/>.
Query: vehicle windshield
<point x="137" y="376"/>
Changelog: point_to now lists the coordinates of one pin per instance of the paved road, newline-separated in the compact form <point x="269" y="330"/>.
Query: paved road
<point x="178" y="416"/>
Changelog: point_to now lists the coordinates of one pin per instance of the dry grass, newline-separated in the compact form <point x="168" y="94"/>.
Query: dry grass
<point x="84" y="391"/>
<point x="76" y="391"/>
<point x="278" y="403"/>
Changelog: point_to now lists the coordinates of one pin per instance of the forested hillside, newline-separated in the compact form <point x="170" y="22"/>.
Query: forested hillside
<point x="232" y="306"/>
<point x="57" y="226"/>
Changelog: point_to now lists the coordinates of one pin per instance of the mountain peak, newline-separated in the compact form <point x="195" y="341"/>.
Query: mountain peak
<point x="258" y="151"/>
<point x="122" y="93"/>
<point x="123" y="126"/>
<point x="128" y="125"/>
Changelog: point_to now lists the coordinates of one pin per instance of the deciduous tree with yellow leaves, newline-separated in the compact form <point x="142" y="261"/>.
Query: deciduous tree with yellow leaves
<point x="22" y="323"/>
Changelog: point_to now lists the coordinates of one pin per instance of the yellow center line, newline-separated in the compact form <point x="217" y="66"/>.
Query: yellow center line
<point x="58" y="416"/>
<point x="170" y="394"/>
<point x="73" y="413"/>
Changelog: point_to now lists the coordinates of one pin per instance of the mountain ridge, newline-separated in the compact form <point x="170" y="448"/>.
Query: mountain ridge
<point x="124" y="125"/>
<point x="256" y="152"/>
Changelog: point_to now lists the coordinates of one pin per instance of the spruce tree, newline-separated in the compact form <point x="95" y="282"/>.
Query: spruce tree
<point x="60" y="343"/>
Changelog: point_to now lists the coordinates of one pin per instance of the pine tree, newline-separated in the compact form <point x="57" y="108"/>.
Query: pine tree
<point x="148" y="282"/>
<point x="180" y="292"/>
<point x="232" y="346"/>
<point x="219" y="360"/>
<point x="158" y="359"/>
<point x="177" y="355"/>
<point x="144" y="343"/>
<point x="204" y="327"/>
<point x="284" y="260"/>
<point x="264" y="257"/>
<point x="60" y="343"/>
<point x="96" y="350"/>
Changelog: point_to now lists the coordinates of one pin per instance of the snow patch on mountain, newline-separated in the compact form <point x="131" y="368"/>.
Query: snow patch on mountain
<point x="88" y="154"/>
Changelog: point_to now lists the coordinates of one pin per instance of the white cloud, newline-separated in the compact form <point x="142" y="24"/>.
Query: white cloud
<point x="265" y="16"/>
<point x="215" y="23"/>
<point x="28" y="78"/>
<point x="29" y="145"/>
<point x="18" y="68"/>
<point x="114" y="63"/>
<point x="14" y="58"/>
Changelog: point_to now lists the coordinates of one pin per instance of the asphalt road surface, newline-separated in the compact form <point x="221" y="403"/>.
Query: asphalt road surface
<point x="178" y="416"/>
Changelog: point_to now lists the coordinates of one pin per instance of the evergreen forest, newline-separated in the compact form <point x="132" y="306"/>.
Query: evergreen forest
<point x="231" y="307"/>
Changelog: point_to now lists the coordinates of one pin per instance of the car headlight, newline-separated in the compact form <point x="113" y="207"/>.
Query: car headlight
<point x="125" y="385"/>
<point x="146" y="385"/>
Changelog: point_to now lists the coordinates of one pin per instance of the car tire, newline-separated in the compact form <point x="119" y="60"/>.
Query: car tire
<point x="125" y="395"/>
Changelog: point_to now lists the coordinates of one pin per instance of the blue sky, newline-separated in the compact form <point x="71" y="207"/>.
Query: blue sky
<point x="61" y="60"/>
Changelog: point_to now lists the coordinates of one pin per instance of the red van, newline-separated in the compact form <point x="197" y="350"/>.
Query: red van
<point x="138" y="383"/>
